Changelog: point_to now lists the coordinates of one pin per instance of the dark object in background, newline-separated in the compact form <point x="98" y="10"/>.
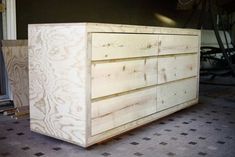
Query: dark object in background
<point x="3" y="83"/>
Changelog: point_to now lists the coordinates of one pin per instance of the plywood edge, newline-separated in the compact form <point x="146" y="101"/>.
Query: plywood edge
<point x="88" y="87"/>
<point x="120" y="28"/>
<point x="13" y="43"/>
<point x="80" y="26"/>
<point x="199" y="58"/>
<point x="58" y="24"/>
<point x="132" y="125"/>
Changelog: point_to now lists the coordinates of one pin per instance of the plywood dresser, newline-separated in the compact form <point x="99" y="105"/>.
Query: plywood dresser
<point x="89" y="82"/>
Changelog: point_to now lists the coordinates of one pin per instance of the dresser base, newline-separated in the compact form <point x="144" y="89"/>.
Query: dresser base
<point x="127" y="127"/>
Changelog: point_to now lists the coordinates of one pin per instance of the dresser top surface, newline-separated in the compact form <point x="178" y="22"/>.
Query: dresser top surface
<point x="116" y="28"/>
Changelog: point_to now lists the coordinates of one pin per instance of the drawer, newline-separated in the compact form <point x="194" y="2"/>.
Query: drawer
<point x="113" y="112"/>
<point x="174" y="93"/>
<point x="176" y="44"/>
<point x="113" y="45"/>
<point x="176" y="67"/>
<point x="117" y="77"/>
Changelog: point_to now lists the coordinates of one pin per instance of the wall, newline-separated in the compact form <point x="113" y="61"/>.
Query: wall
<point x="140" y="12"/>
<point x="137" y="12"/>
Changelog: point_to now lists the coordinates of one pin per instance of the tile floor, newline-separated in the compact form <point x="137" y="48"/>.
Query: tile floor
<point x="204" y="130"/>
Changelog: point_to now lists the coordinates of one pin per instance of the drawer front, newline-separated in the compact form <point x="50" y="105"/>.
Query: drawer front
<point x="176" y="67"/>
<point x="113" y="112"/>
<point x="114" y="46"/>
<point x="177" y="44"/>
<point x="174" y="93"/>
<point x="117" y="77"/>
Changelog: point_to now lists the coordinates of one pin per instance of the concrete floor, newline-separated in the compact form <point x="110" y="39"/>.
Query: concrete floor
<point x="204" y="130"/>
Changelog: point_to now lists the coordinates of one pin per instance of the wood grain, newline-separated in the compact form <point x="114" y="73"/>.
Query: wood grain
<point x="115" y="46"/>
<point x="116" y="77"/>
<point x="116" y="111"/>
<point x="175" y="93"/>
<point x="120" y="28"/>
<point x="15" y="53"/>
<point x="177" y="44"/>
<point x="89" y="82"/>
<point x="176" y="67"/>
<point x="137" y="123"/>
<point x="57" y="81"/>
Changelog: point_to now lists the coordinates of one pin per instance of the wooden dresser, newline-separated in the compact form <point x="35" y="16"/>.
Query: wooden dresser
<point x="89" y="82"/>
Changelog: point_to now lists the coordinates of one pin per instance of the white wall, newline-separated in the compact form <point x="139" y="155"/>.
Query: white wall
<point x="9" y="20"/>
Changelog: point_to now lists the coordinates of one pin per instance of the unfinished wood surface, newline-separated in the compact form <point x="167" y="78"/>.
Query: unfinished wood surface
<point x="15" y="53"/>
<point x="176" y="67"/>
<point x="113" y="112"/>
<point x="117" y="28"/>
<point x="121" y="28"/>
<point x="175" y="93"/>
<point x="115" y="46"/>
<point x="85" y="89"/>
<point x="57" y="72"/>
<point x="139" y="122"/>
<point x="116" y="77"/>
<point x="177" y="44"/>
